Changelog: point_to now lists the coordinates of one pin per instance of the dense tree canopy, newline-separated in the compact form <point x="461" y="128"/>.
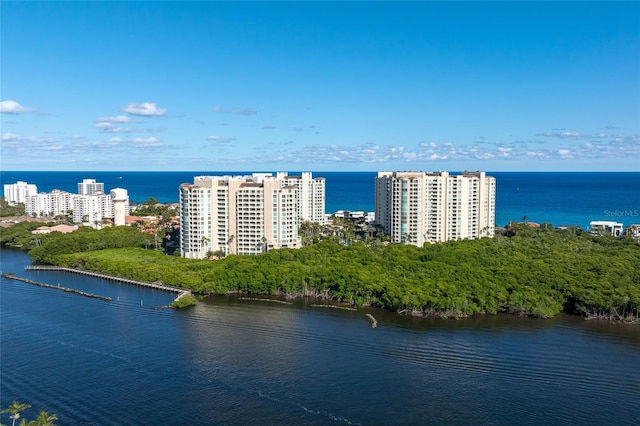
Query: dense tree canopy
<point x="85" y="239"/>
<point x="19" y="234"/>
<point x="9" y="210"/>
<point x="537" y="272"/>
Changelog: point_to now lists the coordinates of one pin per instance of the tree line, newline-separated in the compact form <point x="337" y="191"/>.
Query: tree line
<point x="16" y="408"/>
<point x="7" y="210"/>
<point x="535" y="272"/>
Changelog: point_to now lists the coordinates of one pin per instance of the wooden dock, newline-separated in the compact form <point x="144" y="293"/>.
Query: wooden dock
<point x="153" y="285"/>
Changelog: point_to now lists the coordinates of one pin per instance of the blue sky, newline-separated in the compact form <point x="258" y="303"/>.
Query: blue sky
<point x="216" y="86"/>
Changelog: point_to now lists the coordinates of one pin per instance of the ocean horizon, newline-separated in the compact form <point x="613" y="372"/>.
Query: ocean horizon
<point x="559" y="198"/>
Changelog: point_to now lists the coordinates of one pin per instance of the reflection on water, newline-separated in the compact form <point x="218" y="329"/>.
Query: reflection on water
<point x="233" y="361"/>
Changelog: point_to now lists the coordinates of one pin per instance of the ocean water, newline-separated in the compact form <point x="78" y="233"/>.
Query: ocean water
<point x="229" y="361"/>
<point x="559" y="198"/>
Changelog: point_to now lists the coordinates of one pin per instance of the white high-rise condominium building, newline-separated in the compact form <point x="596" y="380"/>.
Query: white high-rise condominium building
<point x="245" y="214"/>
<point x="52" y="203"/>
<point x="311" y="200"/>
<point x="90" y="206"/>
<point x="90" y="187"/>
<point x="419" y="207"/>
<point x="92" y="209"/>
<point x="15" y="193"/>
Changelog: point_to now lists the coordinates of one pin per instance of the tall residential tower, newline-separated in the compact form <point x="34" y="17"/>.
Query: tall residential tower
<point x="246" y="214"/>
<point x="420" y="207"/>
<point x="15" y="193"/>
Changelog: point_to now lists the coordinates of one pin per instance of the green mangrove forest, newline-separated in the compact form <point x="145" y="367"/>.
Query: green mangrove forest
<point x="526" y="271"/>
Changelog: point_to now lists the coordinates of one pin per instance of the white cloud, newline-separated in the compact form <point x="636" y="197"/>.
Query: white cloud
<point x="146" y="109"/>
<point x="487" y="156"/>
<point x="536" y="154"/>
<point x="572" y="135"/>
<point x="10" y="137"/>
<point x="504" y="152"/>
<point x="426" y="152"/>
<point x="120" y="130"/>
<point x="117" y="119"/>
<point x="109" y="127"/>
<point x="13" y="144"/>
<point x="53" y="148"/>
<point x="151" y="141"/>
<point x="565" y="153"/>
<point x="237" y="111"/>
<point x="218" y="139"/>
<point x="430" y="144"/>
<point x="108" y="124"/>
<point x="13" y="107"/>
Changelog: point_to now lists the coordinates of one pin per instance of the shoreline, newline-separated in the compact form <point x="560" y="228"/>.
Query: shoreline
<point x="187" y="292"/>
<point x="620" y="316"/>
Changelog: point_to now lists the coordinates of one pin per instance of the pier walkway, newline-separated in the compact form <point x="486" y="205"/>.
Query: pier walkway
<point x="153" y="285"/>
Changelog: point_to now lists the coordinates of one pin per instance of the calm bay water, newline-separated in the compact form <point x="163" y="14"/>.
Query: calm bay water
<point x="561" y="198"/>
<point x="229" y="361"/>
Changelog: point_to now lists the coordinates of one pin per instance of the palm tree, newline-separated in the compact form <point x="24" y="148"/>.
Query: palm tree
<point x="230" y="243"/>
<point x="15" y="409"/>
<point x="44" y="419"/>
<point x="204" y="241"/>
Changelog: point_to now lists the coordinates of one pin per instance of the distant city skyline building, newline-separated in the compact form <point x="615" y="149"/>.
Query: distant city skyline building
<point x="52" y="203"/>
<point x="90" y="187"/>
<point x="92" y="209"/>
<point x="16" y="193"/>
<point x="247" y="215"/>
<point x="90" y="206"/>
<point x="420" y="207"/>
